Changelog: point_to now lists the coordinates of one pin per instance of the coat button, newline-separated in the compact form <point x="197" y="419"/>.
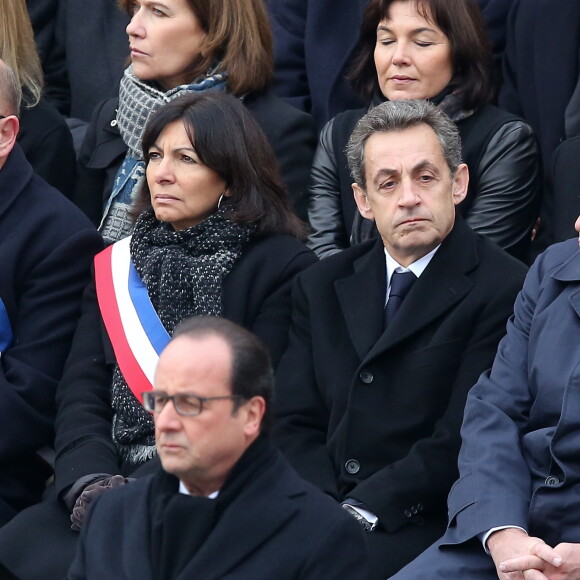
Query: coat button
<point x="352" y="466"/>
<point x="552" y="481"/>
<point x="414" y="510"/>
<point x="408" y="514"/>
<point x="366" y="377"/>
<point x="420" y="507"/>
<point x="114" y="123"/>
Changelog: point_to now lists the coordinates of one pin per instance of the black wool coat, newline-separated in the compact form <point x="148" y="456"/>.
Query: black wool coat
<point x="278" y="527"/>
<point x="375" y="415"/>
<point x="46" y="251"/>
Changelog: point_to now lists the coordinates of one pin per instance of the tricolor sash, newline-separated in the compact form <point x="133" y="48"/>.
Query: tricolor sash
<point x="135" y="331"/>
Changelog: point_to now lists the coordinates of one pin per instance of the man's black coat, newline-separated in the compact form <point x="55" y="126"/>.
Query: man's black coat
<point x="375" y="415"/>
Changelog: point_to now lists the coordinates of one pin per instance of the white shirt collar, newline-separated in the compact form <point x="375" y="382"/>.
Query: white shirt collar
<point x="417" y="267"/>
<point x="184" y="491"/>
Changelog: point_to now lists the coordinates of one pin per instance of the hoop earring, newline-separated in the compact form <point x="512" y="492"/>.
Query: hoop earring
<point x="220" y="201"/>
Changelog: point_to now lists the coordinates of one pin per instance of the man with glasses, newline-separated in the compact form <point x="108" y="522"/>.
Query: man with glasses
<point x="225" y="504"/>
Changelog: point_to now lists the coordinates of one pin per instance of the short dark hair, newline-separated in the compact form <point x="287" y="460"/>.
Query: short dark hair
<point x="229" y="140"/>
<point x="397" y="116"/>
<point x="252" y="371"/>
<point x="461" y="22"/>
<point x="238" y="36"/>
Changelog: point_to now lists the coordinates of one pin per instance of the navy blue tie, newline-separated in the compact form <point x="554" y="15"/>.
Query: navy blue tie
<point x="401" y="283"/>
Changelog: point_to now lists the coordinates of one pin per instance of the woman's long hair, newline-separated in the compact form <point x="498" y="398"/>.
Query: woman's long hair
<point x="228" y="140"/>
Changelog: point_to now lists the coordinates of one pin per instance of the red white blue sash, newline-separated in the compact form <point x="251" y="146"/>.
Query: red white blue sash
<point x="135" y="331"/>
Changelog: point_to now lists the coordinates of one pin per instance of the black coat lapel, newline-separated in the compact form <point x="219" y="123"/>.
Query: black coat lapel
<point x="362" y="298"/>
<point x="259" y="512"/>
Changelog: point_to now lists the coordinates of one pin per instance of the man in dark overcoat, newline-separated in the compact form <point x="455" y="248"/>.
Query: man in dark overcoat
<point x="226" y="504"/>
<point x="370" y="395"/>
<point x="46" y="251"/>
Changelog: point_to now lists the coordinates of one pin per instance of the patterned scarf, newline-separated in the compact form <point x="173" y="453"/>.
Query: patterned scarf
<point x="138" y="100"/>
<point x="184" y="273"/>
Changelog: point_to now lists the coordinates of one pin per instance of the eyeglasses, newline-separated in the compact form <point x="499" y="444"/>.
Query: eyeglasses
<point x="185" y="404"/>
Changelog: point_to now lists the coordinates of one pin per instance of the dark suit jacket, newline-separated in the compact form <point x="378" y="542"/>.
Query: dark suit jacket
<point x="47" y="143"/>
<point x="279" y="527"/>
<point x="46" y="249"/>
<point x="291" y="134"/>
<point x="73" y="86"/>
<point x="375" y="416"/>
<point x="541" y="33"/>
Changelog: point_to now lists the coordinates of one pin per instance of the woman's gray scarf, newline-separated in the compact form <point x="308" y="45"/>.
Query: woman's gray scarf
<point x="138" y="100"/>
<point x="183" y="272"/>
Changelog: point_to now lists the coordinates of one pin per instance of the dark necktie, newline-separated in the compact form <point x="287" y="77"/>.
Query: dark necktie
<point x="401" y="283"/>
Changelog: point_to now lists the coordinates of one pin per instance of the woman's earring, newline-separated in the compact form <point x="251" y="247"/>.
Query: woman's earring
<point x="220" y="201"/>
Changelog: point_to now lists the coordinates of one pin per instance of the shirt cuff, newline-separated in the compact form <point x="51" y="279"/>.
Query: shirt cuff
<point x="361" y="509"/>
<point x="485" y="535"/>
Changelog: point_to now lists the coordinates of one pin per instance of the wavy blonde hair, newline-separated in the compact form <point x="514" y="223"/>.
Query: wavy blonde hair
<point x="18" y="49"/>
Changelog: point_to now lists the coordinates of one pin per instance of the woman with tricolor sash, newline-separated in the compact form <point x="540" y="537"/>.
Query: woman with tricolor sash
<point x="215" y="236"/>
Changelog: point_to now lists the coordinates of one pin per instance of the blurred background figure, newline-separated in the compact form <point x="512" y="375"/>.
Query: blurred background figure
<point x="74" y="86"/>
<point x="44" y="135"/>
<point x="541" y="82"/>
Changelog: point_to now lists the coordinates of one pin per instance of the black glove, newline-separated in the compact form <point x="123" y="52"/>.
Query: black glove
<point x="89" y="494"/>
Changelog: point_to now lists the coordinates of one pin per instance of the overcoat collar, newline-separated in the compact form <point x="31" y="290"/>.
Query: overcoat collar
<point x="569" y="272"/>
<point x="14" y="177"/>
<point x="445" y="281"/>
<point x="253" y="511"/>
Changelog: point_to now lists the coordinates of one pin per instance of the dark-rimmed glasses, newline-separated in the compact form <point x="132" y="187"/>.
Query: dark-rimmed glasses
<point x="185" y="404"/>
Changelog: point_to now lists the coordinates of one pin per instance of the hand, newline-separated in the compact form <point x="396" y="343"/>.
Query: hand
<point x="539" y="569"/>
<point x="512" y="544"/>
<point x="89" y="494"/>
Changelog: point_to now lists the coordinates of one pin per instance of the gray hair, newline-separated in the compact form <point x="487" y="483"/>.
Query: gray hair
<point x="10" y="91"/>
<point x="398" y="116"/>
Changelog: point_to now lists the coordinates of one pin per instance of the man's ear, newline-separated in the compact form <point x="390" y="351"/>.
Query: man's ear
<point x="8" y="132"/>
<point x="460" y="183"/>
<point x="254" y="410"/>
<point x="362" y="202"/>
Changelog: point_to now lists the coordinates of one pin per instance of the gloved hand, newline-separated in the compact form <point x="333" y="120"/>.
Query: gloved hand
<point x="89" y="494"/>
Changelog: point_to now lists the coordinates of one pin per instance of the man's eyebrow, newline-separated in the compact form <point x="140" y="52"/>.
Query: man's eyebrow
<point x="384" y="172"/>
<point x="425" y="164"/>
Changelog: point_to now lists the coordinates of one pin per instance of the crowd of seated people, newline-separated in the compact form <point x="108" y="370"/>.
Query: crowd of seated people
<point x="379" y="268"/>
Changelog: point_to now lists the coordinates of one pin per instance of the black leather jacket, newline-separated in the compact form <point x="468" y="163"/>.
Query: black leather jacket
<point x="504" y="205"/>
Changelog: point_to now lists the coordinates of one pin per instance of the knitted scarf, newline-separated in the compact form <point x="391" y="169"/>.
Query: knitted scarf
<point x="138" y="100"/>
<point x="183" y="272"/>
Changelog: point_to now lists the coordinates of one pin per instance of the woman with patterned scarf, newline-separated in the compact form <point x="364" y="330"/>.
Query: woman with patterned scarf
<point x="215" y="237"/>
<point x="436" y="50"/>
<point x="179" y="47"/>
